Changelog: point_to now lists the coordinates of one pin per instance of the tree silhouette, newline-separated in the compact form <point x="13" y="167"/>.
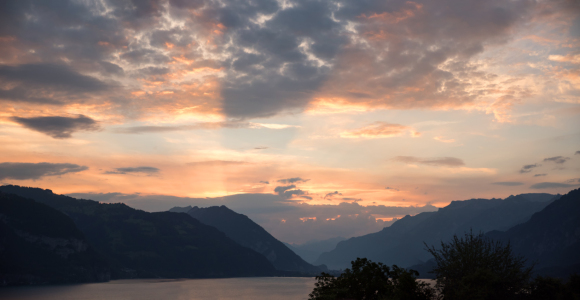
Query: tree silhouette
<point x="369" y="281"/>
<point x="475" y="267"/>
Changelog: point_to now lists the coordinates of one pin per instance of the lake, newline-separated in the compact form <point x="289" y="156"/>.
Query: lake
<point x="257" y="288"/>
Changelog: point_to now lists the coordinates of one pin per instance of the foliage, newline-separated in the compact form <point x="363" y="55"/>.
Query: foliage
<point x="369" y="280"/>
<point x="474" y="267"/>
<point x="553" y="288"/>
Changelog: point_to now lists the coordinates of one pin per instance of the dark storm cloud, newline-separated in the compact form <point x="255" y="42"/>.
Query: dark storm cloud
<point x="54" y="76"/>
<point x="58" y="127"/>
<point x="143" y="169"/>
<point x="48" y="83"/>
<point x="528" y="168"/>
<point x="21" y="94"/>
<point x="551" y="185"/>
<point x="282" y="75"/>
<point x="438" y="161"/>
<point x="23" y="171"/>
<point x="270" y="66"/>
<point x="292" y="180"/>
<point x="508" y="183"/>
<point x="557" y="159"/>
<point x="145" y="56"/>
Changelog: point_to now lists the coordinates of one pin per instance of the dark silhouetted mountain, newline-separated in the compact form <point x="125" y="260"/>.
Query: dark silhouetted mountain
<point x="402" y="242"/>
<point x="39" y="245"/>
<point x="139" y="244"/>
<point x="551" y="238"/>
<point x="311" y="250"/>
<point x="247" y="233"/>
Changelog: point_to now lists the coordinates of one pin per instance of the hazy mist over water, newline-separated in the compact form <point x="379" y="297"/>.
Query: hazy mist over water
<point x="191" y="289"/>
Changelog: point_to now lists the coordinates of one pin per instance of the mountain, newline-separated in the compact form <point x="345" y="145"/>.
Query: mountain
<point x="311" y="250"/>
<point x="247" y="233"/>
<point x="39" y="244"/>
<point x="139" y="244"/>
<point x="551" y="238"/>
<point x="402" y="242"/>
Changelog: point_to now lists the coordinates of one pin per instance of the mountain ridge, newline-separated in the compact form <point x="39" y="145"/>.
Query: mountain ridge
<point x="247" y="233"/>
<point x="139" y="244"/>
<point x="402" y="242"/>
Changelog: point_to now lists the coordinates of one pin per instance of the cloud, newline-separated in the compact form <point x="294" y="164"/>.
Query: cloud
<point x="439" y="161"/>
<point x="201" y="126"/>
<point x="143" y="169"/>
<point x="216" y="163"/>
<point x="551" y="185"/>
<point x="54" y="76"/>
<point x="22" y="94"/>
<point x="538" y="175"/>
<point x="292" y="193"/>
<point x="330" y="195"/>
<point x="281" y="189"/>
<point x="508" y="183"/>
<point x="577" y="152"/>
<point x="58" y="127"/>
<point x="557" y="159"/>
<point x="528" y="168"/>
<point x="265" y="182"/>
<point x="292" y="180"/>
<point x="390" y="188"/>
<point x="378" y="130"/>
<point x="288" y="191"/>
<point x="261" y="58"/>
<point x="24" y="171"/>
<point x="198" y="126"/>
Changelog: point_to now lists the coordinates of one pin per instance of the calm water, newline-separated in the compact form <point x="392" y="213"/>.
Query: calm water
<point x="261" y="288"/>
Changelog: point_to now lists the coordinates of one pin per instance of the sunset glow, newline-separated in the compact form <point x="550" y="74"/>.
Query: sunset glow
<point x="300" y="114"/>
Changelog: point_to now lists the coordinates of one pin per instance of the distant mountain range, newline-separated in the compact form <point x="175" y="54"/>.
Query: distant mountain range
<point x="311" y="250"/>
<point x="403" y="242"/>
<point x="138" y="244"/>
<point x="50" y="238"/>
<point x="551" y="238"/>
<point x="247" y="233"/>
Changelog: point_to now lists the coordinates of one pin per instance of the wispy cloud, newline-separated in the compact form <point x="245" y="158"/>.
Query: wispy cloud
<point x="528" y="168"/>
<point x="557" y="159"/>
<point x="551" y="185"/>
<point x="23" y="171"/>
<point x="508" y="183"/>
<point x="436" y="161"/>
<point x="379" y="130"/>
<point x="132" y="170"/>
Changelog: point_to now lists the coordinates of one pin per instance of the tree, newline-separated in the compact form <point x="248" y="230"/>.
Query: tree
<point x="369" y="281"/>
<point x="474" y="267"/>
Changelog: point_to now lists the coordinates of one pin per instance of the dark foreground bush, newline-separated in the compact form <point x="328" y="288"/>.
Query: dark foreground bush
<point x="478" y="268"/>
<point x="470" y="267"/>
<point x="554" y="288"/>
<point x="372" y="281"/>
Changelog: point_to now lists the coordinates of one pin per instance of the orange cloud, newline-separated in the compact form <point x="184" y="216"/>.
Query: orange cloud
<point x="378" y="130"/>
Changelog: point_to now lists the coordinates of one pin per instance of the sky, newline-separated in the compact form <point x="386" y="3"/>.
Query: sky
<point x="315" y="118"/>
